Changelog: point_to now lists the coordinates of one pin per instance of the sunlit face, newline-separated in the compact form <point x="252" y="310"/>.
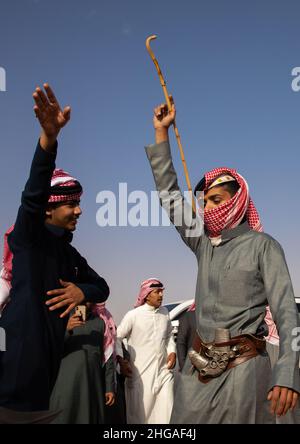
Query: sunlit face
<point x="64" y="215"/>
<point x="155" y="298"/>
<point x="215" y="196"/>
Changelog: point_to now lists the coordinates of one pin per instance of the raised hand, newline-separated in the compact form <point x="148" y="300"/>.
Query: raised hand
<point x="162" y="120"/>
<point x="162" y="117"/>
<point x="50" y="115"/>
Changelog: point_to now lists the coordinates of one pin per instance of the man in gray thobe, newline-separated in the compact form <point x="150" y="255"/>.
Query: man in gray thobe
<point x="240" y="272"/>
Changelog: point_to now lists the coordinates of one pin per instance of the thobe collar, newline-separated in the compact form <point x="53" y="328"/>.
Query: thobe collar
<point x="148" y="307"/>
<point x="60" y="232"/>
<point x="229" y="234"/>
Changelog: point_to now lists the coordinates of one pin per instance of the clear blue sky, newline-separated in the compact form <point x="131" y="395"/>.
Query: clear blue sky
<point x="228" y="65"/>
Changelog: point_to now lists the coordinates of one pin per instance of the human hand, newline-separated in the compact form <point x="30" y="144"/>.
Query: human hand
<point x="109" y="399"/>
<point x="282" y="399"/>
<point x="163" y="118"/>
<point x="73" y="322"/>
<point x="69" y="294"/>
<point x="50" y="115"/>
<point x="171" y="361"/>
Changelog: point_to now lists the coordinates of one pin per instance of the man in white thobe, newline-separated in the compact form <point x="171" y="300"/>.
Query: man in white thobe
<point x="149" y="382"/>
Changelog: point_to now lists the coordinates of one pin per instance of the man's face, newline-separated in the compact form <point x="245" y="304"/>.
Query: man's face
<point x="64" y="215"/>
<point x="215" y="196"/>
<point x="155" y="297"/>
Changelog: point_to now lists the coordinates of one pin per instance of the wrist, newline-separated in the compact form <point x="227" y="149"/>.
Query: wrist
<point x="48" y="142"/>
<point x="161" y="134"/>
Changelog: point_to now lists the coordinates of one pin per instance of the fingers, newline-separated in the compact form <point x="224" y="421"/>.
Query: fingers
<point x="39" y="102"/>
<point x="70" y="308"/>
<point x="67" y="113"/>
<point x="59" y="301"/>
<point x="161" y="111"/>
<point x="110" y="399"/>
<point x="171" y="363"/>
<point x="289" y="400"/>
<point x="50" y="94"/>
<point x="58" y="292"/>
<point x="275" y="393"/>
<point x="77" y="324"/>
<point x="37" y="112"/>
<point x="279" y="400"/>
<point x="295" y="400"/>
<point x="282" y="401"/>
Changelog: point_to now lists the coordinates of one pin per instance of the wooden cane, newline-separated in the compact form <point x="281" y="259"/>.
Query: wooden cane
<point x="167" y="97"/>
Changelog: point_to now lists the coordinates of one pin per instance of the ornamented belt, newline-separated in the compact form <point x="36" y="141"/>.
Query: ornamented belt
<point x="211" y="359"/>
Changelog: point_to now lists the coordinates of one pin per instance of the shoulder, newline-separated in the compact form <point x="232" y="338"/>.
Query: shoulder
<point x="266" y="244"/>
<point x="264" y="240"/>
<point x="129" y="315"/>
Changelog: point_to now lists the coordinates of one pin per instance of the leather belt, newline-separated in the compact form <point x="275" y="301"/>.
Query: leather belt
<point x="248" y="346"/>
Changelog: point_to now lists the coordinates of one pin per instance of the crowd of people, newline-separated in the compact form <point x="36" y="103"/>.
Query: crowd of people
<point x="67" y="362"/>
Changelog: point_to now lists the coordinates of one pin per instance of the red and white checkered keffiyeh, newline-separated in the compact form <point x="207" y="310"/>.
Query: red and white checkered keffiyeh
<point x="146" y="288"/>
<point x="231" y="213"/>
<point x="61" y="185"/>
<point x="110" y="330"/>
<point x="273" y="336"/>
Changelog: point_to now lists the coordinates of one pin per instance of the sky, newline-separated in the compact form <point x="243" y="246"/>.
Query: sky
<point x="228" y="65"/>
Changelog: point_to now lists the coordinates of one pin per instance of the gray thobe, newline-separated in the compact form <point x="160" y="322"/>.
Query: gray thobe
<point x="79" y="391"/>
<point x="236" y="280"/>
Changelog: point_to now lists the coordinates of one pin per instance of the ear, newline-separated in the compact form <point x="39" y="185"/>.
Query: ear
<point x="49" y="212"/>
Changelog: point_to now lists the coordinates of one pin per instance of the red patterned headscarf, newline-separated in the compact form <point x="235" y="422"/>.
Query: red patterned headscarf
<point x="64" y="187"/>
<point x="231" y="213"/>
<point x="146" y="288"/>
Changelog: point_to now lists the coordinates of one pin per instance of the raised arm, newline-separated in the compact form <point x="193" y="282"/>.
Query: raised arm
<point x="178" y="209"/>
<point x="35" y="196"/>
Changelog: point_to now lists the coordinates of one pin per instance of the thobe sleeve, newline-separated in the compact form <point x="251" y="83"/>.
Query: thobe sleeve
<point x="123" y="331"/>
<point x="31" y="215"/>
<point x="110" y="375"/>
<point x="281" y="299"/>
<point x="182" y="340"/>
<point x="178" y="209"/>
<point x="94" y="287"/>
<point x="171" y="346"/>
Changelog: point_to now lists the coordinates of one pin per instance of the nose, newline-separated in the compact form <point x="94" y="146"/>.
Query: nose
<point x="77" y="211"/>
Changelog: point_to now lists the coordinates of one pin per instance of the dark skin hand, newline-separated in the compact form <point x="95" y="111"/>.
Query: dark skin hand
<point x="69" y="295"/>
<point x="171" y="361"/>
<point x="109" y="399"/>
<point x="282" y="399"/>
<point x="50" y="115"/>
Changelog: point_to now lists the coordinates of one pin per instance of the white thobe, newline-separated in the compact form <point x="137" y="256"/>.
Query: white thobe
<point x="149" y="392"/>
